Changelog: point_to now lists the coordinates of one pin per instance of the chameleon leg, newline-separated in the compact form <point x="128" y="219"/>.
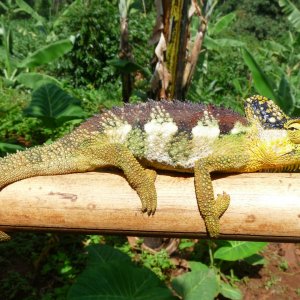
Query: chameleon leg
<point x="210" y="208"/>
<point x="140" y="179"/>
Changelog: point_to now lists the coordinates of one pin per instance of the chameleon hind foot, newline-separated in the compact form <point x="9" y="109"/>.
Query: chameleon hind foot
<point x="147" y="192"/>
<point x="212" y="219"/>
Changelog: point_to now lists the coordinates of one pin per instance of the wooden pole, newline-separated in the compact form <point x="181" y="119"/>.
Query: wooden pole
<point x="264" y="206"/>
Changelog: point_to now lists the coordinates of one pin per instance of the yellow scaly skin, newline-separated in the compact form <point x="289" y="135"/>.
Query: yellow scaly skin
<point x="269" y="141"/>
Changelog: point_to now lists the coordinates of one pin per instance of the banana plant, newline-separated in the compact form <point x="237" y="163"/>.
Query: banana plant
<point x="24" y="71"/>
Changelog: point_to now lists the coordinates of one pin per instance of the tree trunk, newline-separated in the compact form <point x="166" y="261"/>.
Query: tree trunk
<point x="176" y="55"/>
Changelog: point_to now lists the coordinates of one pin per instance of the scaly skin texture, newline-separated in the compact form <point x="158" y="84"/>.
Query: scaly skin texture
<point x="175" y="136"/>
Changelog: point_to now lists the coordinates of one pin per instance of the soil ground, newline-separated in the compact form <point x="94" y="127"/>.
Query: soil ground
<point x="279" y="278"/>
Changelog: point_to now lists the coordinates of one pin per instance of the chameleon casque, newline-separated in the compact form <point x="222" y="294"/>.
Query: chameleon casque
<point x="176" y="136"/>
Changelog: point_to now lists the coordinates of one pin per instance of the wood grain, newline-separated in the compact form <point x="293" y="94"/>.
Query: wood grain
<point x="264" y="206"/>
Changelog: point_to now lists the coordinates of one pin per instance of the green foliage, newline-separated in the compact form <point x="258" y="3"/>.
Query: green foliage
<point x="235" y="250"/>
<point x="23" y="6"/>
<point x="34" y="80"/>
<point x="209" y="278"/>
<point x="257" y="20"/>
<point x="218" y="72"/>
<point x="111" y="275"/>
<point x="200" y="284"/>
<point x="40" y="266"/>
<point x="53" y="106"/>
<point x="47" y="54"/>
<point x="95" y="43"/>
<point x="292" y="11"/>
<point x="94" y="100"/>
<point x="12" y="64"/>
<point x="158" y="263"/>
<point x="261" y="81"/>
<point x="7" y="147"/>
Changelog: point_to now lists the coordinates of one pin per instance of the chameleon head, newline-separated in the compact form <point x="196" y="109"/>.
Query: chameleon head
<point x="276" y="135"/>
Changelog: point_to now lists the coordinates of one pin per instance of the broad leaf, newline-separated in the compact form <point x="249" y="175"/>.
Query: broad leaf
<point x="262" y="83"/>
<point x="255" y="260"/>
<point x="202" y="284"/>
<point x="235" y="250"/>
<point x="274" y="47"/>
<point x="211" y="43"/>
<point x="11" y="148"/>
<point x="105" y="254"/>
<point x="116" y="279"/>
<point x="47" y="54"/>
<point x="197" y="266"/>
<point x="223" y="23"/>
<point x="292" y="11"/>
<point x="34" y="80"/>
<point x="285" y="98"/>
<point x="50" y="103"/>
<point x="230" y="292"/>
<point x="127" y="66"/>
<point x="27" y="8"/>
<point x="229" y="43"/>
<point x="219" y="44"/>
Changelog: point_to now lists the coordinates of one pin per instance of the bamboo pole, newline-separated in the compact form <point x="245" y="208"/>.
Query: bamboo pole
<point x="264" y="206"/>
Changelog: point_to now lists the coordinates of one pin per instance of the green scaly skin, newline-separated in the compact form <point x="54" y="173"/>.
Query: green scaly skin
<point x="170" y="136"/>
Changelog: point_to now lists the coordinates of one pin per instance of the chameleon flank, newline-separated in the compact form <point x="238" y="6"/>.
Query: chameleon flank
<point x="176" y="136"/>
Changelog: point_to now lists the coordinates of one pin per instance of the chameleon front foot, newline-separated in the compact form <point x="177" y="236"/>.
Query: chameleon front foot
<point x="212" y="217"/>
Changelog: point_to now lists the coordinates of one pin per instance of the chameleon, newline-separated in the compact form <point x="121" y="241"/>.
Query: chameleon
<point x="174" y="136"/>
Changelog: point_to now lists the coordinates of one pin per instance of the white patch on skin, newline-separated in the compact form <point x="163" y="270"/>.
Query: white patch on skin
<point x="276" y="140"/>
<point x="115" y="128"/>
<point x="203" y="136"/>
<point x="269" y="135"/>
<point x="206" y="127"/>
<point x="159" y="132"/>
<point x="239" y="128"/>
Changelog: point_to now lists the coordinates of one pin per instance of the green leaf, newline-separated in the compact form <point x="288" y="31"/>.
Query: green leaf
<point x="274" y="47"/>
<point x="229" y="43"/>
<point x="262" y="83"/>
<point x="185" y="243"/>
<point x="219" y="44"/>
<point x="104" y="254"/>
<point x="47" y="54"/>
<point x="285" y="98"/>
<point x="27" y="8"/>
<point x="211" y="44"/>
<point x="202" y="284"/>
<point x="230" y="292"/>
<point x="34" y="80"/>
<point x="292" y="11"/>
<point x="127" y="66"/>
<point x="255" y="260"/>
<point x="11" y="148"/>
<point x="235" y="250"/>
<point x="223" y="23"/>
<point x="52" y="104"/>
<point x="116" y="279"/>
<point x="197" y="266"/>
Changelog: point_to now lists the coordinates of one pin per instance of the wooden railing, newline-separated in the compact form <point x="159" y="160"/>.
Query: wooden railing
<point x="264" y="206"/>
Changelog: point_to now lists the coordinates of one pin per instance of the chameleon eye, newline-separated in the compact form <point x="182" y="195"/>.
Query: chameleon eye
<point x="293" y="130"/>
